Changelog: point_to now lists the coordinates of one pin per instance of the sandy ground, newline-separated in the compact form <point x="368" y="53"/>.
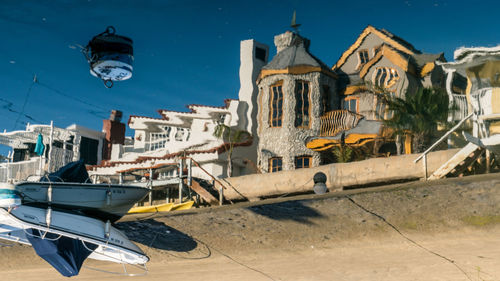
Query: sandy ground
<point x="442" y="230"/>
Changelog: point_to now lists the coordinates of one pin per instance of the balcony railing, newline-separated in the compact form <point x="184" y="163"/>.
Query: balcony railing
<point x="461" y="108"/>
<point x="336" y="121"/>
<point x="20" y="170"/>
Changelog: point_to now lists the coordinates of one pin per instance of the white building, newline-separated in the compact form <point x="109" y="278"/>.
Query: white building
<point x="61" y="147"/>
<point x="164" y="140"/>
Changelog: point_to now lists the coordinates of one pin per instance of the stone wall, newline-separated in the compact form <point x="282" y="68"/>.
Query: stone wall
<point x="339" y="175"/>
<point x="288" y="141"/>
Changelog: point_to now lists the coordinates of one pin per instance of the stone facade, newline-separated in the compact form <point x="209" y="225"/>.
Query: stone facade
<point x="288" y="140"/>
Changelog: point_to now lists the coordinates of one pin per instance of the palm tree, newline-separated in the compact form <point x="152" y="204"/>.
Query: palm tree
<point x="231" y="137"/>
<point x="418" y="114"/>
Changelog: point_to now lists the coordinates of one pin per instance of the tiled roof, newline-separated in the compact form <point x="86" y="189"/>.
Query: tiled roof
<point x="219" y="149"/>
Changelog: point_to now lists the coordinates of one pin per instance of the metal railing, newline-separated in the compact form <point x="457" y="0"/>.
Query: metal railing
<point x="424" y="154"/>
<point x="461" y="108"/>
<point x="17" y="171"/>
<point x="20" y="170"/>
<point x="336" y="121"/>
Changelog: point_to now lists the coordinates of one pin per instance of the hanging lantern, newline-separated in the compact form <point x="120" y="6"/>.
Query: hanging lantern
<point x="110" y="57"/>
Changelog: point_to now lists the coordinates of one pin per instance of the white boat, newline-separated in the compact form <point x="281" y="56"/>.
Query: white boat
<point x="27" y="225"/>
<point x="106" y="201"/>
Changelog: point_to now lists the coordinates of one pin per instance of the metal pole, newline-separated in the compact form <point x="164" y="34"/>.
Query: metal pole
<point x="189" y="175"/>
<point x="221" y="196"/>
<point x="64" y="153"/>
<point x="181" y="183"/>
<point x="50" y="145"/>
<point x="488" y="158"/>
<point x="425" y="166"/>
<point x="150" y="186"/>
<point x="189" y="179"/>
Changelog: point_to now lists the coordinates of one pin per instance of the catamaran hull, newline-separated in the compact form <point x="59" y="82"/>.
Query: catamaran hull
<point x="101" y="200"/>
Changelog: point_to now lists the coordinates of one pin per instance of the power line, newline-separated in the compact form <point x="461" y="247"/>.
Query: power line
<point x="26" y="97"/>
<point x="68" y="96"/>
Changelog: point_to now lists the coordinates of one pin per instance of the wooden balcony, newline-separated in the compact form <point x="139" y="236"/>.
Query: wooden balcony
<point x="336" y="121"/>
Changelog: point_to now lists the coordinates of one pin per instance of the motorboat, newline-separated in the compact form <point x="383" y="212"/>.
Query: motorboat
<point x="70" y="188"/>
<point x="65" y="240"/>
<point x="106" y="201"/>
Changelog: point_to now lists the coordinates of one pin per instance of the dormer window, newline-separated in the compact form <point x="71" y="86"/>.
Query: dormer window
<point x="363" y="57"/>
<point x="385" y="77"/>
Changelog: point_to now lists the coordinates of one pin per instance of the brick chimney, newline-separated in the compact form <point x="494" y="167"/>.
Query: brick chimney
<point x="115" y="132"/>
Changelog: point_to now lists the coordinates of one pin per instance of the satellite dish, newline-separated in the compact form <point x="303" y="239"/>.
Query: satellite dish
<point x="110" y="56"/>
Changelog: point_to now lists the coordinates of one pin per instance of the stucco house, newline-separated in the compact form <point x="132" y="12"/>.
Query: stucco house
<point x="61" y="146"/>
<point x="295" y="89"/>
<point x="162" y="141"/>
<point x="377" y="59"/>
<point x="295" y="107"/>
<point x="481" y="66"/>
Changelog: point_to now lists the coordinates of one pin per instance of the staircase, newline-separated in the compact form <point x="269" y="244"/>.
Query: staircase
<point x="204" y="191"/>
<point x="459" y="162"/>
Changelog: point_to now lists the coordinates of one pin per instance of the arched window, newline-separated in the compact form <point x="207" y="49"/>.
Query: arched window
<point x="276" y="104"/>
<point x="302" y="104"/>
<point x="385" y="77"/>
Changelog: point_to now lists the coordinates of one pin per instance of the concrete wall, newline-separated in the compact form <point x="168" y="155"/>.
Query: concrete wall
<point x="339" y="175"/>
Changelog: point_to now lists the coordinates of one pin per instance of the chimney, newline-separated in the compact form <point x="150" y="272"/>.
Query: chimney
<point x="115" y="132"/>
<point x="287" y="39"/>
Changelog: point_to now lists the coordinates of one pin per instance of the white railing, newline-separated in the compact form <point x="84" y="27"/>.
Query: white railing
<point x="17" y="171"/>
<point x="60" y="157"/>
<point x="481" y="101"/>
<point x="461" y="108"/>
<point x="20" y="170"/>
<point x="424" y="154"/>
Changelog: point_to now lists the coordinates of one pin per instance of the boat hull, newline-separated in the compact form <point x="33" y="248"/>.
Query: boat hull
<point x="112" y="244"/>
<point x="100" y="200"/>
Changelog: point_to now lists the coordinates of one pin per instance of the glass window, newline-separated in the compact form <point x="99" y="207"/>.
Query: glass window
<point x="276" y="105"/>
<point x="350" y="104"/>
<point x="179" y="135"/>
<point x="275" y="164"/>
<point x="302" y="104"/>
<point x="260" y="53"/>
<point x="325" y="99"/>
<point x="385" y="77"/>
<point x="363" y="56"/>
<point x="158" y="140"/>
<point x="302" y="162"/>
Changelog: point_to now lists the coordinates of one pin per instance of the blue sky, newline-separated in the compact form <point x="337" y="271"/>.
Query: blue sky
<point x="188" y="51"/>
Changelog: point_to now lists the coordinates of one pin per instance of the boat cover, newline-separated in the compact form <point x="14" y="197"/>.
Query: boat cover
<point x="65" y="254"/>
<point x="71" y="172"/>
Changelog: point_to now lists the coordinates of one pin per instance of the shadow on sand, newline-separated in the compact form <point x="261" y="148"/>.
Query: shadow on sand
<point x="290" y="210"/>
<point x="159" y="236"/>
